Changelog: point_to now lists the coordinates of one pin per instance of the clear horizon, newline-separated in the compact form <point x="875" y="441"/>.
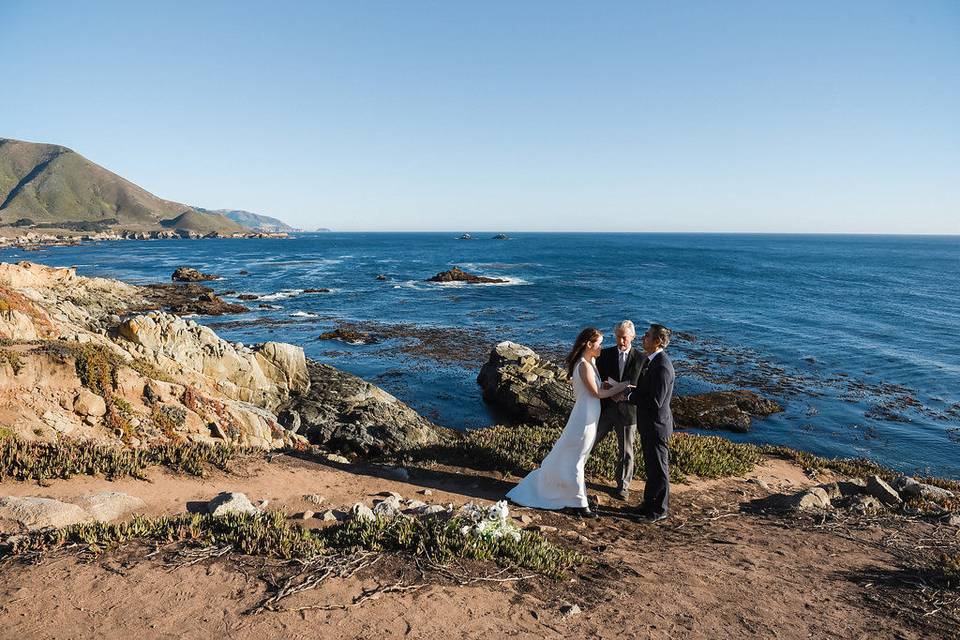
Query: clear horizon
<point x="741" y="117"/>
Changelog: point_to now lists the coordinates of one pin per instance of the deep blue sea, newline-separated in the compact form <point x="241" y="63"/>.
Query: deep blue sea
<point x="857" y="336"/>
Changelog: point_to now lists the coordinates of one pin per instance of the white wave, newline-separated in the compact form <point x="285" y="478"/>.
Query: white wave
<point x="283" y="294"/>
<point x="510" y="282"/>
<point x="303" y="314"/>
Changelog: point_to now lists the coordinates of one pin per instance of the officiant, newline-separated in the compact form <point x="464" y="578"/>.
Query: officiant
<point x="621" y="362"/>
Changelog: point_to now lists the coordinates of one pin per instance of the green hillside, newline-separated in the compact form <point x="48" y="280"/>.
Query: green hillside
<point x="48" y="183"/>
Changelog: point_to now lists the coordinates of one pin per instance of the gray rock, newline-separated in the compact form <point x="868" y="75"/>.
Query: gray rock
<point x="361" y="511"/>
<point x="570" y="610"/>
<point x="110" y="505"/>
<point x="729" y="410"/>
<point x="314" y="498"/>
<point x="39" y="513"/>
<point x="852" y="487"/>
<point x="337" y="458"/>
<point x="832" y="490"/>
<point x="879" y="489"/>
<point x="433" y="509"/>
<point x="934" y="493"/>
<point x="813" y="498"/>
<point x="388" y="507"/>
<point x="228" y="502"/>
<point x="865" y="504"/>
<point x="347" y="414"/>
<point x="328" y="516"/>
<point x="417" y="505"/>
<point x="425" y="492"/>
<point x="505" y="385"/>
<point x="951" y="519"/>
<point x="306" y="515"/>
<point x="906" y="486"/>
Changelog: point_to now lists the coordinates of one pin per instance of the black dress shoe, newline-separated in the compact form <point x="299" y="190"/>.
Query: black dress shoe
<point x="622" y="495"/>
<point x="585" y="512"/>
<point x="650" y="518"/>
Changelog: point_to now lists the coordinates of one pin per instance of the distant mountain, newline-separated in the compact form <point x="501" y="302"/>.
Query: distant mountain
<point x="48" y="184"/>
<point x="203" y="222"/>
<point x="254" y="221"/>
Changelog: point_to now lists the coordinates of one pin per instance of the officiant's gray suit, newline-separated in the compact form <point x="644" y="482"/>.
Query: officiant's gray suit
<point x="619" y="417"/>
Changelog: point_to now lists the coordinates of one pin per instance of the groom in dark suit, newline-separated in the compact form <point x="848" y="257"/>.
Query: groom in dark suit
<point x="655" y="421"/>
<point x="620" y="362"/>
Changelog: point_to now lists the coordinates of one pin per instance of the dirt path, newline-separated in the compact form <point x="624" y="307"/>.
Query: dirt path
<point x="713" y="570"/>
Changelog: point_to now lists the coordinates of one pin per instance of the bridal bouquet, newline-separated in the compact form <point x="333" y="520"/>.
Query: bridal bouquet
<point x="490" y="522"/>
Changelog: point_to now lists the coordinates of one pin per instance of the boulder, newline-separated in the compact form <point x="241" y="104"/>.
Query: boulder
<point x="730" y="410"/>
<point x="814" y="498"/>
<point x="344" y="413"/>
<point x="110" y="505"/>
<point x="458" y="275"/>
<point x="183" y="299"/>
<point x="227" y="502"/>
<point x="935" y="493"/>
<point x="361" y="511"/>
<point x="519" y="395"/>
<point x="388" y="507"/>
<point x="39" y="513"/>
<point x="189" y="274"/>
<point x="882" y="491"/>
<point x="865" y="504"/>
<point x="87" y="403"/>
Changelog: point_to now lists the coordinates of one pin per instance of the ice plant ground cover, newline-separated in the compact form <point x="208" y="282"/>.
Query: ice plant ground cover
<point x="271" y="535"/>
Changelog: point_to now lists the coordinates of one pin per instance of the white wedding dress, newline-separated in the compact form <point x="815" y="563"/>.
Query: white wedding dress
<point x="559" y="481"/>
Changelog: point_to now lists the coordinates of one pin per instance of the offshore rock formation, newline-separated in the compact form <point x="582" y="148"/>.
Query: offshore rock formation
<point x="345" y="413"/>
<point x="458" y="275"/>
<point x="524" y="388"/>
<point x="189" y="274"/>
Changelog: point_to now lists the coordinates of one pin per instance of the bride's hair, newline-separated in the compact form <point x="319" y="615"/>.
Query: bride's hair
<point x="587" y="335"/>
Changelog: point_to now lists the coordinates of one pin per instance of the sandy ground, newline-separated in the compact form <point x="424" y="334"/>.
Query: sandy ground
<point x="718" y="568"/>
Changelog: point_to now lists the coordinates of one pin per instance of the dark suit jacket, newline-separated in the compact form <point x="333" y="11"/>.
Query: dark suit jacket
<point x="608" y="366"/>
<point x="652" y="396"/>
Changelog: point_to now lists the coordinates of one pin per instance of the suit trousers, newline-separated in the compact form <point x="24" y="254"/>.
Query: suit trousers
<point x="612" y="420"/>
<point x="656" y="463"/>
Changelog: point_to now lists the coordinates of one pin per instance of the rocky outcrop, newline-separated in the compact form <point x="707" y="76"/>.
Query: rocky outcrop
<point x="350" y="336"/>
<point x="265" y="376"/>
<point x="458" y="275"/>
<point x="345" y="413"/>
<point x="189" y="274"/>
<point x="524" y="388"/>
<point x="183" y="299"/>
<point x="166" y="377"/>
<point x="730" y="410"/>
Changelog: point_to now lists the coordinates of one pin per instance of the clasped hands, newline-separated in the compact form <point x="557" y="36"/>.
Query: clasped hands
<point x="622" y="396"/>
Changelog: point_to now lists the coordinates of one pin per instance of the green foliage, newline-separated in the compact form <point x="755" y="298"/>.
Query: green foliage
<point x="45" y="460"/>
<point x="519" y="449"/>
<point x="270" y="535"/>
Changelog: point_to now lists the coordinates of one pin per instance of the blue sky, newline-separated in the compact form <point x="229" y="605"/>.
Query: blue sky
<point x="558" y="116"/>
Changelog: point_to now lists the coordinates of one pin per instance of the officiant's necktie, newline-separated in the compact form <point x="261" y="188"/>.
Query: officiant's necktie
<point x="623" y="362"/>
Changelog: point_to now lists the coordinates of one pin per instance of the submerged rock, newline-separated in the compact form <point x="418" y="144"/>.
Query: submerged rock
<point x="349" y="336"/>
<point x="729" y="410"/>
<point x="458" y="275"/>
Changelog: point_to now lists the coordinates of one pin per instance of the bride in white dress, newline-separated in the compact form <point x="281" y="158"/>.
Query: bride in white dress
<point x="559" y="482"/>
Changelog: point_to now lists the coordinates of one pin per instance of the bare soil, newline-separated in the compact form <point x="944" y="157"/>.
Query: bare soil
<point x="722" y="566"/>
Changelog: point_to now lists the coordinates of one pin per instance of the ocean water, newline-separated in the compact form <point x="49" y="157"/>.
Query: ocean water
<point x="857" y="336"/>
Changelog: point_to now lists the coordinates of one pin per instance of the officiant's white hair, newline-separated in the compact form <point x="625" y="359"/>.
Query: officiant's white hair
<point x="625" y="325"/>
